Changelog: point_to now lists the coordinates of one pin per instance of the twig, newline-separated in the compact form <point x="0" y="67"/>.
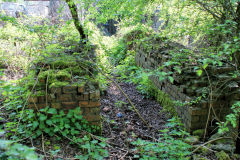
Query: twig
<point x="122" y="158"/>
<point x="210" y="106"/>
<point x="43" y="146"/>
<point x="210" y="142"/>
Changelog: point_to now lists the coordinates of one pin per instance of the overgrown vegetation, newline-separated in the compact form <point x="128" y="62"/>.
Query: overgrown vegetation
<point x="33" y="48"/>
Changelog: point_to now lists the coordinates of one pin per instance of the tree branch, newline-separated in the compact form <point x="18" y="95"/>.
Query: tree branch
<point x="208" y="10"/>
<point x="73" y="8"/>
<point x="238" y="16"/>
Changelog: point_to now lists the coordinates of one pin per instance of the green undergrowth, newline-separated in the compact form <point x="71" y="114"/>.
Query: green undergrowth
<point x="24" y="123"/>
<point x="170" y="145"/>
<point x="10" y="150"/>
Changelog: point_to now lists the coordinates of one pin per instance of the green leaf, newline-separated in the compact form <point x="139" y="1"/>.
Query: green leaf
<point x="67" y="126"/>
<point x="47" y="130"/>
<point x="199" y="72"/>
<point x="49" y="122"/>
<point x="35" y="124"/>
<point x="52" y="111"/>
<point x="171" y="79"/>
<point x="205" y="66"/>
<point x="42" y="117"/>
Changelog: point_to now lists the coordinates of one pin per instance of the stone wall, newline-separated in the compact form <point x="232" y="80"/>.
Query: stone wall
<point x="189" y="88"/>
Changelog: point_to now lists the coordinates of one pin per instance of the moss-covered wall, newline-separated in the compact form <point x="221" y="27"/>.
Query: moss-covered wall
<point x="191" y="91"/>
<point x="65" y="81"/>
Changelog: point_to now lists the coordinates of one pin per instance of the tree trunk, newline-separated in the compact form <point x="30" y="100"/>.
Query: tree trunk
<point x="238" y="17"/>
<point x="73" y="9"/>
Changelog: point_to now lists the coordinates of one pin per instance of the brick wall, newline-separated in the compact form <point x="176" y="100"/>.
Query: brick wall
<point x="187" y="86"/>
<point x="66" y="82"/>
<point x="70" y="97"/>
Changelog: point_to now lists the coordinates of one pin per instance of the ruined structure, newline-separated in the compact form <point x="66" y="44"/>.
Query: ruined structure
<point x="215" y="90"/>
<point x="66" y="82"/>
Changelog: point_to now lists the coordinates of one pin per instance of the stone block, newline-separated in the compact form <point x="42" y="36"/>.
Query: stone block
<point x="69" y="89"/>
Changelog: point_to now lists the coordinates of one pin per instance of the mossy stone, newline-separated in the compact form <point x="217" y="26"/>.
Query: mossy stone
<point x="58" y="84"/>
<point x="63" y="62"/>
<point x="39" y="93"/>
<point x="199" y="132"/>
<point x="63" y="74"/>
<point x="192" y="140"/>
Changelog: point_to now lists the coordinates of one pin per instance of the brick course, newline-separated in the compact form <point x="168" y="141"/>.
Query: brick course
<point x="70" y="97"/>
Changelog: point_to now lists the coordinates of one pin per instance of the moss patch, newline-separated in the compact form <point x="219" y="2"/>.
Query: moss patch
<point x="58" y="84"/>
<point x="164" y="99"/>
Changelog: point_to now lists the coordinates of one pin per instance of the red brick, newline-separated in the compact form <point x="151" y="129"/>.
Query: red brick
<point x="94" y="104"/>
<point x="56" y="105"/>
<point x="83" y="103"/>
<point x="69" y="89"/>
<point x="65" y="97"/>
<point x="69" y="105"/>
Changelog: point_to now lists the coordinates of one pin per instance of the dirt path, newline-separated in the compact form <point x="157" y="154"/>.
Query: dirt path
<point x="122" y="125"/>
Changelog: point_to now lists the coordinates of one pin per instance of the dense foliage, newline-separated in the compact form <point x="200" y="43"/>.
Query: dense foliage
<point x="209" y="29"/>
